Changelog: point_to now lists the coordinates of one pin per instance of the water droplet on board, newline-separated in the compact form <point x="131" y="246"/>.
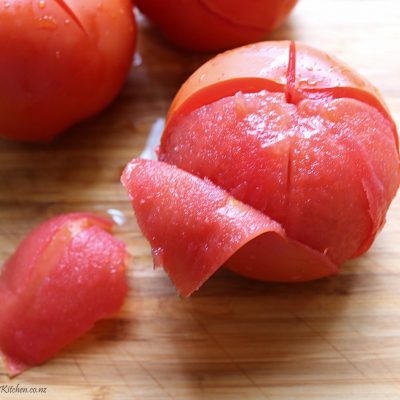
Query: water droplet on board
<point x="153" y="141"/>
<point x="6" y="4"/>
<point x="67" y="21"/>
<point x="137" y="60"/>
<point x="117" y="216"/>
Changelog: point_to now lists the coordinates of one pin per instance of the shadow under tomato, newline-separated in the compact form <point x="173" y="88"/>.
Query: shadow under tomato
<point x="246" y="334"/>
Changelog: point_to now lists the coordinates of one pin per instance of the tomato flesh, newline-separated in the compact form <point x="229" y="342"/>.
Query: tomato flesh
<point x="68" y="273"/>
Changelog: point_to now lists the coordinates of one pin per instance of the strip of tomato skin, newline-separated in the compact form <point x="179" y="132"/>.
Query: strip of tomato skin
<point x="193" y="226"/>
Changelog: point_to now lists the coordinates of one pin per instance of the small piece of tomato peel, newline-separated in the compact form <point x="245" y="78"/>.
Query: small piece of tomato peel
<point x="37" y="283"/>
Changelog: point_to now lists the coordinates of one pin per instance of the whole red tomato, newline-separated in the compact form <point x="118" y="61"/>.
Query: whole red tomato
<point x="216" y="24"/>
<point x="277" y="160"/>
<point x="60" y="61"/>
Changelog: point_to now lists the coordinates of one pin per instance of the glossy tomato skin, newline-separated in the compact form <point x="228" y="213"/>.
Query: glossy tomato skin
<point x="231" y="72"/>
<point x="64" y="276"/>
<point x="61" y="61"/>
<point x="207" y="25"/>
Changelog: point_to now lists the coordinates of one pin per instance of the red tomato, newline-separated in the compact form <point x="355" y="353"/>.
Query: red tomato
<point x="293" y="134"/>
<point x="61" y="61"/>
<point x="216" y="24"/>
<point x="307" y="141"/>
<point x="67" y="273"/>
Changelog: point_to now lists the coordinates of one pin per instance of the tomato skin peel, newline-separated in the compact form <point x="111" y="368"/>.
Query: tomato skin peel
<point x="290" y="132"/>
<point x="194" y="227"/>
<point x="64" y="276"/>
<point x="209" y="25"/>
<point x="67" y="63"/>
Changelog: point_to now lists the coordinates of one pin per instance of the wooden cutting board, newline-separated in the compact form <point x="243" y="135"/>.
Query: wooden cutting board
<point x="334" y="339"/>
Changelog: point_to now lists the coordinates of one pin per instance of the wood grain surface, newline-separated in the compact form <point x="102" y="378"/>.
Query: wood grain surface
<point x="334" y="339"/>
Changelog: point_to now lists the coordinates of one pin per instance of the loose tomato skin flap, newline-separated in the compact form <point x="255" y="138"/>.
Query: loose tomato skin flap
<point x="194" y="227"/>
<point x="68" y="273"/>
